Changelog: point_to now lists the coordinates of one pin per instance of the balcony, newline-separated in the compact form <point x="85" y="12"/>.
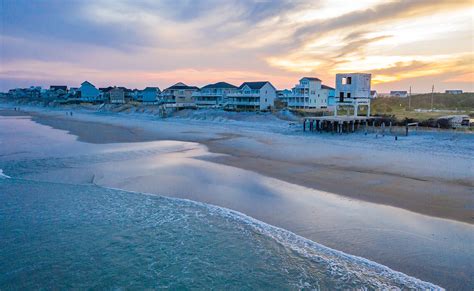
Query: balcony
<point x="201" y="93"/>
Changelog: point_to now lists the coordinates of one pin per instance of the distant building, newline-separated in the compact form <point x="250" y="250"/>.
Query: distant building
<point x="148" y="95"/>
<point x="329" y="94"/>
<point x="73" y="90"/>
<point x="402" y="94"/>
<point x="454" y="92"/>
<point x="58" y="88"/>
<point x="137" y="95"/>
<point x="116" y="95"/>
<point x="31" y="92"/>
<point x="213" y="94"/>
<point x="179" y="94"/>
<point x="373" y="94"/>
<point x="253" y="96"/>
<point x="89" y="92"/>
<point x="104" y="93"/>
<point x="353" y="91"/>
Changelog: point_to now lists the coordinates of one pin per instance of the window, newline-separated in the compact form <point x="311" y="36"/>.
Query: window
<point x="346" y="80"/>
<point x="348" y="95"/>
<point x="265" y="99"/>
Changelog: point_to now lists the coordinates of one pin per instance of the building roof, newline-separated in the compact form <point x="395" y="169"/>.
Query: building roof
<point x="181" y="86"/>
<point x="311" y="79"/>
<point x="106" y="89"/>
<point x="254" y="85"/>
<point x="87" y="83"/>
<point x="61" y="87"/>
<point x="220" y="85"/>
<point x="151" y="89"/>
<point x="125" y="89"/>
<point x="327" y="87"/>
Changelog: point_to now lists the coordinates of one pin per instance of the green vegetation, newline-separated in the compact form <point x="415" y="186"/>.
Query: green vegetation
<point x="398" y="107"/>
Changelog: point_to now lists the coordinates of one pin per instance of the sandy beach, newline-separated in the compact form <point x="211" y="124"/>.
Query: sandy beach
<point x="423" y="190"/>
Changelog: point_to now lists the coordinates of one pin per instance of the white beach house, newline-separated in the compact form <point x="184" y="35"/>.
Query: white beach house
<point x="89" y="92"/>
<point x="402" y="94"/>
<point x="307" y="94"/>
<point x="214" y="94"/>
<point x="253" y="96"/>
<point x="353" y="91"/>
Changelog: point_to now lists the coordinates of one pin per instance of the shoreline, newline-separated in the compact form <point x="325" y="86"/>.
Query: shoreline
<point x="433" y="197"/>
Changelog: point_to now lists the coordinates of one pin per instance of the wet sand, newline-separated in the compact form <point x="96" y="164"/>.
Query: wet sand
<point x="445" y="199"/>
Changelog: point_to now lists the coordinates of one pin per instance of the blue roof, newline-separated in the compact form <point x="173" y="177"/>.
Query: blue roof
<point x="254" y="85"/>
<point x="224" y="85"/>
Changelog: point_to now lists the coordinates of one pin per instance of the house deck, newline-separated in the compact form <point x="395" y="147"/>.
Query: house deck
<point x="338" y="124"/>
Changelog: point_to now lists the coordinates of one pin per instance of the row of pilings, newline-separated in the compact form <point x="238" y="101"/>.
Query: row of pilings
<point x="353" y="124"/>
<point x="345" y="125"/>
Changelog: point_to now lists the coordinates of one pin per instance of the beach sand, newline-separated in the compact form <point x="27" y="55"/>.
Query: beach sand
<point x="434" y="196"/>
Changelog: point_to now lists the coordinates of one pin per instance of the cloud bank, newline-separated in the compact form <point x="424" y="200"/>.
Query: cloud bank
<point x="157" y="43"/>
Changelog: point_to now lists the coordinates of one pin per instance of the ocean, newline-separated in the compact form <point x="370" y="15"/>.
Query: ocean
<point x="63" y="236"/>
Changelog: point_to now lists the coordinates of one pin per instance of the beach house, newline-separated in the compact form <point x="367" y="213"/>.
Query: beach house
<point x="402" y="94"/>
<point x="117" y="95"/>
<point x="454" y="92"/>
<point x="328" y="94"/>
<point x="57" y="91"/>
<point x="307" y="94"/>
<point x="352" y="92"/>
<point x="252" y="96"/>
<point x="213" y="94"/>
<point x="89" y="92"/>
<point x="179" y="94"/>
<point x="148" y="95"/>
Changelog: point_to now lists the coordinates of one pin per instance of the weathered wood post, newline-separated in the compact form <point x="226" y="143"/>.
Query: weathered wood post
<point x="304" y="124"/>
<point x="311" y="125"/>
<point x="390" y="127"/>
<point x="406" y="129"/>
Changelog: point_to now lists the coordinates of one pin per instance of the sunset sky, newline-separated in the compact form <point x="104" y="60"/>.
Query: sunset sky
<point x="158" y="43"/>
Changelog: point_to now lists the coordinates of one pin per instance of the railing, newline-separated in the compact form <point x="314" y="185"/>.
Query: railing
<point x="243" y="95"/>
<point x="247" y="103"/>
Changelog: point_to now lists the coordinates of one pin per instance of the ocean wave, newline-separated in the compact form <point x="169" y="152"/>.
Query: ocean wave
<point x="351" y="271"/>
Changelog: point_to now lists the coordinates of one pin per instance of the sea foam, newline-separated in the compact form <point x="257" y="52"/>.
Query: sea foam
<point x="3" y="176"/>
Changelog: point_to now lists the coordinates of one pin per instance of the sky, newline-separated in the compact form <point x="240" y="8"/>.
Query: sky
<point x="139" y="43"/>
